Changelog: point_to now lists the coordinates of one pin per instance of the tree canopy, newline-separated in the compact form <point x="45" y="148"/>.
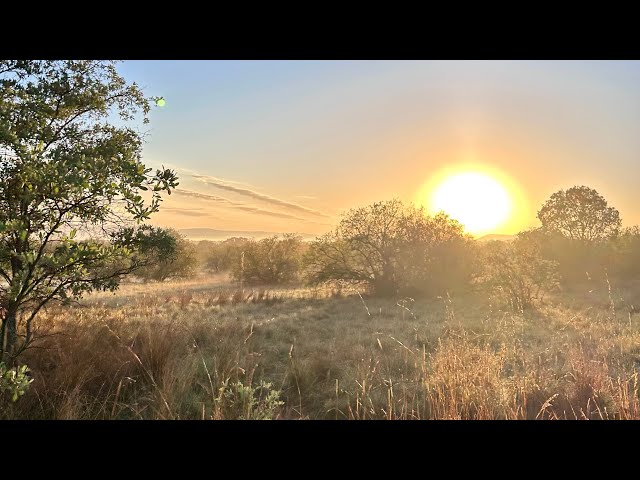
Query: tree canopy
<point x="580" y="213"/>
<point x="73" y="189"/>
<point x="388" y="245"/>
<point x="179" y="263"/>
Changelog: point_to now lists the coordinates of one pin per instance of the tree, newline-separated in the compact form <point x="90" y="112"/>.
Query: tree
<point x="181" y="262"/>
<point x="71" y="187"/>
<point x="580" y="213"/>
<point x="387" y="245"/>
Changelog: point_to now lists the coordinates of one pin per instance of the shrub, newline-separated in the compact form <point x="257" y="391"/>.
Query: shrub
<point x="246" y="402"/>
<point x="181" y="263"/>
<point x="394" y="249"/>
<point x="223" y="256"/>
<point x="626" y="254"/>
<point x="269" y="261"/>
<point x="518" y="271"/>
<point x="14" y="381"/>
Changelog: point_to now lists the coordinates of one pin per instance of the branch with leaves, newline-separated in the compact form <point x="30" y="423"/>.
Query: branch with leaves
<point x="74" y="192"/>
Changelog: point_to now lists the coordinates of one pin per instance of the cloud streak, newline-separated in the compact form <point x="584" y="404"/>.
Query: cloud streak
<point x="194" y="173"/>
<point x="236" y="205"/>
<point x="221" y="184"/>
<point x="260" y="211"/>
<point x="202" y="196"/>
<point x="190" y="212"/>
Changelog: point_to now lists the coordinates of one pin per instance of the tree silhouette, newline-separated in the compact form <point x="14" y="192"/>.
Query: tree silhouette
<point x="580" y="213"/>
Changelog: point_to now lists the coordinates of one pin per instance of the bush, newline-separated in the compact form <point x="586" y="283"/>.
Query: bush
<point x="246" y="402"/>
<point x="441" y="260"/>
<point x="626" y="254"/>
<point x="181" y="263"/>
<point x="270" y="261"/>
<point x="394" y="249"/>
<point x="577" y="260"/>
<point x="223" y="256"/>
<point x="14" y="381"/>
<point x="518" y="272"/>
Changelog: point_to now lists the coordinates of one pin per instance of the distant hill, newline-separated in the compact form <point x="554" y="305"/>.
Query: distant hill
<point x="496" y="236"/>
<point x="212" y="234"/>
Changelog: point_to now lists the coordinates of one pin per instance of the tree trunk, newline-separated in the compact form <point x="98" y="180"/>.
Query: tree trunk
<point x="9" y="327"/>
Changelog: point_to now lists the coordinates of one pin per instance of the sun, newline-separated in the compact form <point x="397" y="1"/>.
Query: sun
<point x="477" y="200"/>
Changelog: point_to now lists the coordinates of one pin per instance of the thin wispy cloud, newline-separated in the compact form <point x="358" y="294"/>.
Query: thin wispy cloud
<point x="236" y="205"/>
<point x="194" y="173"/>
<point x="202" y="196"/>
<point x="269" y="213"/>
<point x="218" y="183"/>
<point x="190" y="212"/>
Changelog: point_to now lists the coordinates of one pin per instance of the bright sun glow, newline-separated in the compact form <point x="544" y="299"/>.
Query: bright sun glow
<point x="478" y="201"/>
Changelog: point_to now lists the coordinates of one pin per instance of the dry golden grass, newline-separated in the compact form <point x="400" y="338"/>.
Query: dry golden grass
<point x="204" y="350"/>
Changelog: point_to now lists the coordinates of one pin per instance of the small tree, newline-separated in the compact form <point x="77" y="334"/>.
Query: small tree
<point x="180" y="263"/>
<point x="580" y="213"/>
<point x="71" y="187"/>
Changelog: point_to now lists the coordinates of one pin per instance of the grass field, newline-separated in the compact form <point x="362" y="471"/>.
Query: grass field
<point x="202" y="349"/>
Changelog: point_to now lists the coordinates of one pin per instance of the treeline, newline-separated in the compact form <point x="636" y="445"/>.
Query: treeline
<point x="393" y="249"/>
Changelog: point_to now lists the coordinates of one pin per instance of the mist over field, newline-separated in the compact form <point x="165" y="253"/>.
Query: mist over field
<point x="319" y="240"/>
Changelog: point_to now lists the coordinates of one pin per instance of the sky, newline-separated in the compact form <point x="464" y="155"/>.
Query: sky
<point x="288" y="146"/>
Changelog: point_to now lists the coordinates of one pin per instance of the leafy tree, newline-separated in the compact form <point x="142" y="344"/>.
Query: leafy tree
<point x="580" y="213"/>
<point x="179" y="263"/>
<point x="72" y="187"/>
<point x="387" y="245"/>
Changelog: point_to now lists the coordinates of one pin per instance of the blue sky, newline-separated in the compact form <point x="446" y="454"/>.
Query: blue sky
<point x="299" y="142"/>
